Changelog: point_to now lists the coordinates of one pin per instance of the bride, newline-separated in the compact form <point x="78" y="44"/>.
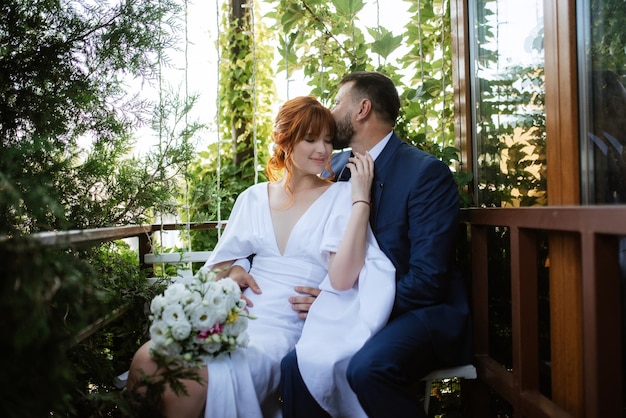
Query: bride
<point x="303" y="231"/>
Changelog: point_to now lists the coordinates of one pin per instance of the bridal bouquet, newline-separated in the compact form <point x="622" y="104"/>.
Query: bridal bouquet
<point x="198" y="320"/>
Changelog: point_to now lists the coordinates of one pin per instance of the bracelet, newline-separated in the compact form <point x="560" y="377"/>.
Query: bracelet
<point x="362" y="201"/>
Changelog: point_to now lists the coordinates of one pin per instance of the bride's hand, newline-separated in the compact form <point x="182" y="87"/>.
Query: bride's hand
<point x="362" y="174"/>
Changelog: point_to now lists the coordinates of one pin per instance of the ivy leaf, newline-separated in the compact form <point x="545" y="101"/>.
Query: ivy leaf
<point x="449" y="154"/>
<point x="348" y="8"/>
<point x="291" y="15"/>
<point x="429" y="89"/>
<point x="385" y="43"/>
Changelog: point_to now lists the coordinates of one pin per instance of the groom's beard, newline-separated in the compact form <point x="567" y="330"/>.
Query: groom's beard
<point x="344" y="134"/>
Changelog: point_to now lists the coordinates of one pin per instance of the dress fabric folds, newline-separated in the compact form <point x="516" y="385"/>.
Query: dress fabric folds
<point x="244" y="384"/>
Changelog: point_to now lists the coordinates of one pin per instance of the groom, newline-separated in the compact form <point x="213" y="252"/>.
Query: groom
<point x="415" y="208"/>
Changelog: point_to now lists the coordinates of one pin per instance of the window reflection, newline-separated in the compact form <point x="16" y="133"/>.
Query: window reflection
<point x="603" y="101"/>
<point x="608" y="124"/>
<point x="508" y="66"/>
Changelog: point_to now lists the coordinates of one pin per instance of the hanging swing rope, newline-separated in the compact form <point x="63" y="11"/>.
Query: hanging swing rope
<point x="443" y="72"/>
<point x="160" y="258"/>
<point x="255" y="154"/>
<point x="189" y="255"/>
<point x="185" y="258"/>
<point x="219" y="122"/>
<point x="160" y="116"/>
<point x="253" y="87"/>
<point x="378" y="27"/>
<point x="287" y="68"/>
<point x="322" y="68"/>
<point x="186" y="84"/>
<point x="420" y="37"/>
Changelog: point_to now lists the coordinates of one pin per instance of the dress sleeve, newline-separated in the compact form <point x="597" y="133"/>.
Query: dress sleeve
<point x="237" y="240"/>
<point x="340" y="322"/>
<point x="336" y="222"/>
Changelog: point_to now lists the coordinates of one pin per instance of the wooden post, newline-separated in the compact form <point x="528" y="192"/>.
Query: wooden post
<point x="563" y="161"/>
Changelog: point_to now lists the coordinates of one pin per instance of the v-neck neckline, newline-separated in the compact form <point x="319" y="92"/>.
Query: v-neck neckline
<point x="295" y="225"/>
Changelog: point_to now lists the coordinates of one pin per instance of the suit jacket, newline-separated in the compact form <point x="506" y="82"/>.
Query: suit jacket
<point x="415" y="218"/>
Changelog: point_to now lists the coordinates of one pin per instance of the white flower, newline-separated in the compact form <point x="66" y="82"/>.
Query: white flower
<point x="216" y="302"/>
<point x="157" y="305"/>
<point x="206" y="274"/>
<point x="173" y="314"/>
<point x="229" y="286"/>
<point x="175" y="293"/>
<point x="203" y="317"/>
<point x="159" y="332"/>
<point x="198" y="319"/>
<point x="194" y="299"/>
<point x="231" y="289"/>
<point x="181" y="330"/>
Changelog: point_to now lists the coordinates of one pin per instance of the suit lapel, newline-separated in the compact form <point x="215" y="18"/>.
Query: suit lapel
<point x="337" y="163"/>
<point x="381" y="170"/>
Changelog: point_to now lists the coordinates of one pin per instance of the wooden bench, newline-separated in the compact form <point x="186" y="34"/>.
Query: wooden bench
<point x="178" y="258"/>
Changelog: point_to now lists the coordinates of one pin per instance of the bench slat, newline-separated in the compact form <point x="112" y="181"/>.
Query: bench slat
<point x="177" y="258"/>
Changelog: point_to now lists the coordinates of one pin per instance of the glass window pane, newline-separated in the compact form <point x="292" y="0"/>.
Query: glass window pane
<point x="509" y="141"/>
<point x="602" y="60"/>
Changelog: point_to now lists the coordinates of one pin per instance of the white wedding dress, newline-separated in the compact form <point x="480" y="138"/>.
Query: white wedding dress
<point x="245" y="384"/>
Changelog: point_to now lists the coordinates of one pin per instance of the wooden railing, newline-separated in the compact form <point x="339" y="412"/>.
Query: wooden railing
<point x="142" y="232"/>
<point x="144" y="235"/>
<point x="594" y="331"/>
<point x="596" y="229"/>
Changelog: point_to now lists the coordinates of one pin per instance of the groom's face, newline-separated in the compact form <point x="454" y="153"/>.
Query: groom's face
<point x="342" y="112"/>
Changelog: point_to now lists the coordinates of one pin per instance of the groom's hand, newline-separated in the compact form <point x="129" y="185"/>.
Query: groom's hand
<point x="240" y="276"/>
<point x="302" y="303"/>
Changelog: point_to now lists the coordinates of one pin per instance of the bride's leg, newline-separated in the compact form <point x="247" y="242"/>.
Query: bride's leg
<point x="171" y="405"/>
<point x="190" y="406"/>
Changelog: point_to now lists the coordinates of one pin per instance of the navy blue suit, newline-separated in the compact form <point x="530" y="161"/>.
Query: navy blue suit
<point x="415" y="218"/>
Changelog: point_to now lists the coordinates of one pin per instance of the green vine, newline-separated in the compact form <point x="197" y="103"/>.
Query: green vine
<point x="246" y="99"/>
<point x="326" y="41"/>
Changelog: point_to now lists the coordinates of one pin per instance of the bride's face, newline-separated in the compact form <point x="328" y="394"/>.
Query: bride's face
<point x="311" y="153"/>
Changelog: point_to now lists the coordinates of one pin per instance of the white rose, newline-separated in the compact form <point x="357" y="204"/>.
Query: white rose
<point x="230" y="287"/>
<point x="206" y="274"/>
<point x="232" y="293"/>
<point x="216" y="302"/>
<point x="173" y="314"/>
<point x="203" y="317"/>
<point x="159" y="332"/>
<point x="181" y="330"/>
<point x="157" y="305"/>
<point x="175" y="293"/>
<point x="194" y="298"/>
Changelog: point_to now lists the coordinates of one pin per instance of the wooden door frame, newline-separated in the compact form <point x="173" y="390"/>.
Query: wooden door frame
<point x="563" y="180"/>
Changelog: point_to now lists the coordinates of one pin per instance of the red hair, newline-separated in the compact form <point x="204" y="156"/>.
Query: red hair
<point x="297" y="117"/>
